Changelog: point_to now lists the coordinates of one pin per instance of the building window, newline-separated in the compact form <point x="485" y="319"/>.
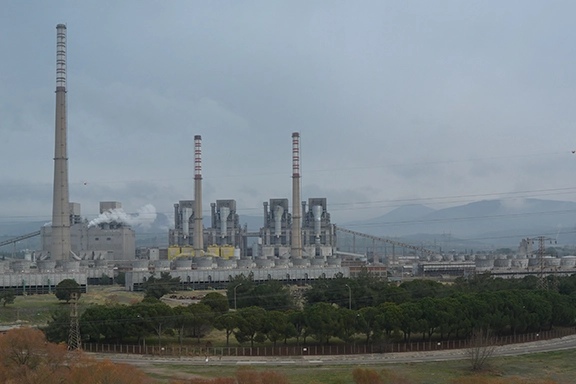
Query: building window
<point x="96" y="238"/>
<point x="108" y="239"/>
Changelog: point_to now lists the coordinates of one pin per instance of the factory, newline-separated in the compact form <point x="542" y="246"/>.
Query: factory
<point x="297" y="242"/>
<point x="107" y="237"/>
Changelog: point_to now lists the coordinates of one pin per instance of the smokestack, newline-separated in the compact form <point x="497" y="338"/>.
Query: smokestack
<point x="296" y="231"/>
<point x="198" y="227"/>
<point x="60" y="249"/>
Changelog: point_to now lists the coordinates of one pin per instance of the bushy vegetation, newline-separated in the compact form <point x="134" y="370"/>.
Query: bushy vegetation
<point x="422" y="309"/>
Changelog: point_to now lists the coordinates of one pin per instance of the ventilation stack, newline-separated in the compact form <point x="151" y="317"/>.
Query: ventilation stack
<point x="60" y="250"/>
<point x="198" y="227"/>
<point x="296" y="219"/>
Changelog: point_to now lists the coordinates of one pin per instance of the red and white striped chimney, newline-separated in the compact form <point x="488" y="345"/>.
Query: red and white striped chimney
<point x="198" y="226"/>
<point x="296" y="230"/>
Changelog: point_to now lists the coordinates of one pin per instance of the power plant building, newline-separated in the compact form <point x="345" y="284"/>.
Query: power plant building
<point x="106" y="238"/>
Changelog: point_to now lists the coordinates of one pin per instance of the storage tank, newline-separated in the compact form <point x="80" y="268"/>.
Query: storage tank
<point x="227" y="251"/>
<point x="236" y="253"/>
<point x="187" y="252"/>
<point x="264" y="263"/>
<point x="139" y="265"/>
<point x="245" y="263"/>
<point x="20" y="266"/>
<point x="459" y="258"/>
<point x="182" y="264"/>
<point x="281" y="263"/>
<point x="226" y="263"/>
<point x="161" y="265"/>
<point x="300" y="263"/>
<point x="317" y="262"/>
<point x="203" y="262"/>
<point x="551" y="262"/>
<point x="520" y="263"/>
<point x="568" y="261"/>
<point x="173" y="252"/>
<point x="502" y="263"/>
<point x="46" y="265"/>
<point x="213" y="250"/>
<point x="334" y="261"/>
<point x="69" y="266"/>
<point x="484" y="264"/>
<point x="4" y="266"/>
<point x="534" y="262"/>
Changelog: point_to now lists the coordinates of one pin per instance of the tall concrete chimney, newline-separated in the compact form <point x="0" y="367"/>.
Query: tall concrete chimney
<point x="60" y="206"/>
<point x="198" y="227"/>
<point x="296" y="224"/>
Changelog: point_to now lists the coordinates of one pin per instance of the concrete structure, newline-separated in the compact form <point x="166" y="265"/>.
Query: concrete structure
<point x="109" y="240"/>
<point x="225" y="233"/>
<point x="199" y="233"/>
<point x="318" y="234"/>
<point x="60" y="241"/>
<point x="296" y="234"/>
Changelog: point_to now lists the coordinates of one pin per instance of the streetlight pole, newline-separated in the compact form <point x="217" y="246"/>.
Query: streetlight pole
<point x="235" y="307"/>
<point x="349" y="297"/>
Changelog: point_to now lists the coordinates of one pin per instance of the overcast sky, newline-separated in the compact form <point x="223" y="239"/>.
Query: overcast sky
<point x="432" y="102"/>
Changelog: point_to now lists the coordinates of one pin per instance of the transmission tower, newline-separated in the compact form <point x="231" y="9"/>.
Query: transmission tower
<point x="74" y="335"/>
<point x="542" y="282"/>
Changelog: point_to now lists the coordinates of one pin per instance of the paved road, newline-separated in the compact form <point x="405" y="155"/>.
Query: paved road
<point x="564" y="343"/>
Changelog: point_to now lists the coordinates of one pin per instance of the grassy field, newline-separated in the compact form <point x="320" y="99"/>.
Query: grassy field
<point x="556" y="367"/>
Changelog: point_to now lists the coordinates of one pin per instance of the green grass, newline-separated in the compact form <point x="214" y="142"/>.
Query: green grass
<point x="556" y="366"/>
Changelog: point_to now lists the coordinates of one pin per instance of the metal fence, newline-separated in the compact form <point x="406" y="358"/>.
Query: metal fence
<point x="319" y="350"/>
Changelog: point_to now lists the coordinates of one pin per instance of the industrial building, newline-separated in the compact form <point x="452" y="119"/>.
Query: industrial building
<point x="106" y="238"/>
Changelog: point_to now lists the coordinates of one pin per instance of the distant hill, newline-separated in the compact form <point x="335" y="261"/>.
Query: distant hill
<point x="498" y="222"/>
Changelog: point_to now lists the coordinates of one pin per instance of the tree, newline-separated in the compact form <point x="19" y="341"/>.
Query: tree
<point x="227" y="322"/>
<point x="251" y="325"/>
<point x="159" y="286"/>
<point x="7" y="297"/>
<point x="216" y="301"/>
<point x="271" y="295"/>
<point x="481" y="348"/>
<point x="321" y="321"/>
<point x="200" y="320"/>
<point x="65" y="288"/>
<point x="58" y="326"/>
<point x="275" y="325"/>
<point x="154" y="316"/>
<point x="239" y="290"/>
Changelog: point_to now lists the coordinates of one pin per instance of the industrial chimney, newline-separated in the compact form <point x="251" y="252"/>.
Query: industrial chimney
<point x="296" y="222"/>
<point x="60" y="249"/>
<point x="198" y="228"/>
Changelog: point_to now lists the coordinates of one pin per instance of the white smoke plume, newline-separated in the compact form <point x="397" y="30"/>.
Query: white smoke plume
<point x="144" y="217"/>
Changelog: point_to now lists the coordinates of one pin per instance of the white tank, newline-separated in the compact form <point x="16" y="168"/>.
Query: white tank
<point x="203" y="262"/>
<point x="4" y="266"/>
<point x="334" y="261"/>
<point x="459" y="257"/>
<point x="236" y="253"/>
<point x="533" y="262"/>
<point x="226" y="263"/>
<point x="245" y="263"/>
<point x="161" y="265"/>
<point x="551" y="262"/>
<point x="484" y="263"/>
<point x="281" y="263"/>
<point x="520" y="263"/>
<point x="69" y="266"/>
<point x="20" y="266"/>
<point x="502" y="263"/>
<point x="46" y="265"/>
<point x="264" y="263"/>
<point x="470" y="257"/>
<point x="317" y="262"/>
<point x="182" y="264"/>
<point x="568" y="261"/>
<point x="301" y="263"/>
<point x="448" y="257"/>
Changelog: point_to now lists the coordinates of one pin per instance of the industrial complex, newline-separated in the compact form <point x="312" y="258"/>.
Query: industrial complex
<point x="297" y="242"/>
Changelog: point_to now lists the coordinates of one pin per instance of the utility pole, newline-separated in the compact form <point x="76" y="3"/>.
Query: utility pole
<point x="74" y="341"/>
<point x="542" y="282"/>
